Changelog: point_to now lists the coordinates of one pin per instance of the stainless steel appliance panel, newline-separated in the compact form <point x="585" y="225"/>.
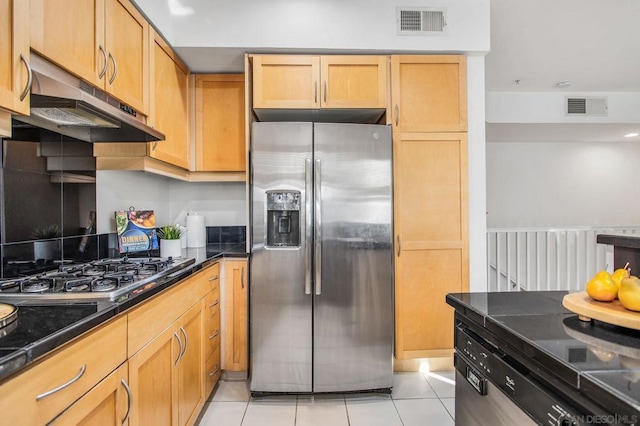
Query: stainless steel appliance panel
<point x="353" y="294"/>
<point x="281" y="318"/>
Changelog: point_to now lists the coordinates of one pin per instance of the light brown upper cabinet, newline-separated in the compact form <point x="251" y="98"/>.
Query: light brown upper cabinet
<point x="220" y="123"/>
<point x="105" y="42"/>
<point x="169" y="104"/>
<point x="14" y="55"/>
<point x="312" y="82"/>
<point x="430" y="194"/>
<point x="429" y="93"/>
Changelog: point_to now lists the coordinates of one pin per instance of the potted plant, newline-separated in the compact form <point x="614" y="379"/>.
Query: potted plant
<point x="43" y="249"/>
<point x="170" y="245"/>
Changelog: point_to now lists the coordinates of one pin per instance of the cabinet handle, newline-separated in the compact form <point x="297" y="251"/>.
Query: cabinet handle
<point x="104" y="58"/>
<point x="180" y="351"/>
<point x="215" y="303"/>
<point x="186" y="341"/>
<point x="325" y="91"/>
<point x="397" y="115"/>
<point x="64" y="385"/>
<point x="129" y="399"/>
<point x="27" y="88"/>
<point x="315" y="92"/>
<point x="215" y="371"/>
<point x="214" y="335"/>
<point x="399" y="245"/>
<point x="154" y="146"/>
<point x="213" y="278"/>
<point x="242" y="277"/>
<point x="115" y="68"/>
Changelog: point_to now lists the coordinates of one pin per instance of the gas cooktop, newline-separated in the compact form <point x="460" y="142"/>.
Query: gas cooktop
<point x="99" y="280"/>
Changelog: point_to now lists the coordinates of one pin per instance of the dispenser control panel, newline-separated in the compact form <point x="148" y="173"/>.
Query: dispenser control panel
<point x="283" y="218"/>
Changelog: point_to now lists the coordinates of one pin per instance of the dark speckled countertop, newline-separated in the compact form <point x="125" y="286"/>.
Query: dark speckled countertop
<point x="41" y="328"/>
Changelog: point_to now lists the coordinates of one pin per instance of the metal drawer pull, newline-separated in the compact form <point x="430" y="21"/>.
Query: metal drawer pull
<point x="397" y="115"/>
<point x="325" y="91"/>
<point x="115" y="68"/>
<point x="215" y="303"/>
<point x="242" y="277"/>
<point x="399" y="245"/>
<point x="186" y="341"/>
<point x="129" y="400"/>
<point x="64" y="385"/>
<point x="180" y="351"/>
<point x="106" y="63"/>
<point x="315" y="92"/>
<point x="213" y="278"/>
<point x="214" y="335"/>
<point x="27" y="88"/>
<point x="215" y="371"/>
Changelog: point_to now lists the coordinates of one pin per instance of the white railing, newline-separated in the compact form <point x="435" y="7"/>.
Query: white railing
<point x="547" y="259"/>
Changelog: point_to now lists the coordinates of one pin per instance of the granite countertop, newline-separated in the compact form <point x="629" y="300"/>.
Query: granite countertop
<point x="619" y="240"/>
<point x="43" y="327"/>
<point x="595" y="359"/>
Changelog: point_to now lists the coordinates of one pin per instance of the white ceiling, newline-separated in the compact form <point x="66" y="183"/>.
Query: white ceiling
<point x="593" y="43"/>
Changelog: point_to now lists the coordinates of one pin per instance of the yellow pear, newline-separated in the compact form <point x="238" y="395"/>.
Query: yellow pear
<point x="619" y="274"/>
<point x="629" y="293"/>
<point x="602" y="288"/>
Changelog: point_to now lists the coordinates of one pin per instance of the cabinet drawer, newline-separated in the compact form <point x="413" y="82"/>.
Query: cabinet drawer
<point x="148" y="320"/>
<point x="42" y="392"/>
<point x="212" y="372"/>
<point x="212" y="335"/>
<point x="212" y="303"/>
<point x="213" y="276"/>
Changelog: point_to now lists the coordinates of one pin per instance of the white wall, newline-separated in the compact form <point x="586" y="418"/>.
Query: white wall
<point x="555" y="184"/>
<point x="222" y="204"/>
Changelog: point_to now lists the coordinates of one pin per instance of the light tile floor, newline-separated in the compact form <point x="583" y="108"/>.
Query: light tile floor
<point x="417" y="399"/>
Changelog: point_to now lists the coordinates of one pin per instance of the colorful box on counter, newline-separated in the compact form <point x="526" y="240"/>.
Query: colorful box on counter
<point x="136" y="231"/>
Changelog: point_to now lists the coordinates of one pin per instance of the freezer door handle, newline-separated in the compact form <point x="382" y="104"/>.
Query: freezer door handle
<point x="317" y="195"/>
<point x="308" y="172"/>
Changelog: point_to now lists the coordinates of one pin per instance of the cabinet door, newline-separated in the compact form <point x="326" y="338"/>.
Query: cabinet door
<point x="429" y="93"/>
<point x="153" y="377"/>
<point x="236" y="320"/>
<point x="281" y="81"/>
<point x="14" y="55"/>
<point x="220" y="123"/>
<point x="127" y="39"/>
<point x="354" y="81"/>
<point x="432" y="243"/>
<point x="169" y="104"/>
<point x="108" y="403"/>
<point x="71" y="34"/>
<point x="191" y="365"/>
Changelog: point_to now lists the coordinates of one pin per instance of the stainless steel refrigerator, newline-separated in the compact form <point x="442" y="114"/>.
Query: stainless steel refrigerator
<point x="321" y="301"/>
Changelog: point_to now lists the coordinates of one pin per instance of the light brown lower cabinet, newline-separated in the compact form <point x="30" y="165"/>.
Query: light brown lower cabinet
<point x="236" y="306"/>
<point x="108" y="403"/>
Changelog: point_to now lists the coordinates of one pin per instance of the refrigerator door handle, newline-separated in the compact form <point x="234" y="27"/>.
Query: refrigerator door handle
<point x="318" y="228"/>
<point x="308" y="187"/>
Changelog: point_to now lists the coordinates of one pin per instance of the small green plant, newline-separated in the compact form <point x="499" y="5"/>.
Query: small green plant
<point x="43" y="233"/>
<point x="170" y="232"/>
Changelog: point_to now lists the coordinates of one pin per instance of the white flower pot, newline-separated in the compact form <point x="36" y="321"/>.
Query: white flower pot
<point x="170" y="248"/>
<point x="47" y="250"/>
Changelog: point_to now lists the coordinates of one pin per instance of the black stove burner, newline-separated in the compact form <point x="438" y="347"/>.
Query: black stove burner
<point x="78" y="284"/>
<point x="104" y="284"/>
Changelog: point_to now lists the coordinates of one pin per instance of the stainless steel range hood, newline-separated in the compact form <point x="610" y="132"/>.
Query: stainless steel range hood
<point x="62" y="104"/>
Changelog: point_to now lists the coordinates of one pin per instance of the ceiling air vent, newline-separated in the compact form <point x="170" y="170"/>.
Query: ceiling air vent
<point x="586" y="106"/>
<point x="421" y="21"/>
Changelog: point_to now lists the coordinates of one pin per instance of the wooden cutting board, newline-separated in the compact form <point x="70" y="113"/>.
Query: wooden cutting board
<point x="609" y="312"/>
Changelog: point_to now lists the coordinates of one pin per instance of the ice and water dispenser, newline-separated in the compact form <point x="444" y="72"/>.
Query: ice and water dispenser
<point x="283" y="218"/>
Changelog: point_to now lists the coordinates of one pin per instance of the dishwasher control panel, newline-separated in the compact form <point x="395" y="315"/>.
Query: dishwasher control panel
<point x="479" y="361"/>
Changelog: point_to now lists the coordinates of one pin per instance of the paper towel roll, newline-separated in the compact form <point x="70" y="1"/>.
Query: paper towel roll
<point x="196" y="231"/>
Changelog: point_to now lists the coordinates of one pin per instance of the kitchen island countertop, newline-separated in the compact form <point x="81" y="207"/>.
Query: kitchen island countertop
<point x="43" y="327"/>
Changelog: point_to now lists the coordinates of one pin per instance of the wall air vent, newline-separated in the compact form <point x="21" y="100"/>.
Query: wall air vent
<point x="421" y="21"/>
<point x="586" y="106"/>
